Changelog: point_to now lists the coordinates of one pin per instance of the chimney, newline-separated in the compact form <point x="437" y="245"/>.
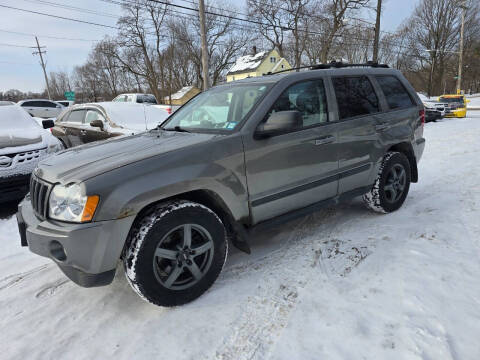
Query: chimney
<point x="254" y="49"/>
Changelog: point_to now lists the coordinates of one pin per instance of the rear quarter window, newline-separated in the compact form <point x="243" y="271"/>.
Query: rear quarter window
<point x="395" y="93"/>
<point x="355" y="96"/>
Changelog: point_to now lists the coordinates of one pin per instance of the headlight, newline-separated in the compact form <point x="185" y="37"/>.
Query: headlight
<point x="67" y="203"/>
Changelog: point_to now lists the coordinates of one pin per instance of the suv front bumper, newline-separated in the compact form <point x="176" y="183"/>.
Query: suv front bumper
<point x="87" y="253"/>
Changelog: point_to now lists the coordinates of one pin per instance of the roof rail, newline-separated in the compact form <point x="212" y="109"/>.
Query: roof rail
<point x="330" y="65"/>
<point x="339" y="64"/>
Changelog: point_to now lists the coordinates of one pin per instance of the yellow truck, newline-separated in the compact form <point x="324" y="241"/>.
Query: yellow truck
<point x="457" y="105"/>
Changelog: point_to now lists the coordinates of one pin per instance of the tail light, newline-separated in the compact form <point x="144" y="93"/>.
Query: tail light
<point x="421" y="113"/>
<point x="169" y="111"/>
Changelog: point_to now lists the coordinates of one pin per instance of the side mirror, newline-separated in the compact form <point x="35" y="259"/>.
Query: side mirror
<point x="47" y="124"/>
<point x="279" y="123"/>
<point x="97" y="123"/>
<point x="58" y="106"/>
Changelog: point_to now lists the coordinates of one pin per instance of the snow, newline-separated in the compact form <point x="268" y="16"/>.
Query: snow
<point x="248" y="62"/>
<point x="180" y="93"/>
<point x="343" y="283"/>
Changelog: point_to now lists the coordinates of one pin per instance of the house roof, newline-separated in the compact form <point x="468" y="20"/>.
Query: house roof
<point x="248" y="62"/>
<point x="180" y="93"/>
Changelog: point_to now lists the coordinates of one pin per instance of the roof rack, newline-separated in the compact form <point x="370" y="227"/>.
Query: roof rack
<point x="330" y="65"/>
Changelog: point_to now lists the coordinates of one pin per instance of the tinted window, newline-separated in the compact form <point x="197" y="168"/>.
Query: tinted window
<point x="28" y="103"/>
<point x="355" y="96"/>
<point x="395" y="93"/>
<point x="308" y="98"/>
<point x="47" y="104"/>
<point x="76" y="116"/>
<point x="148" y="99"/>
<point x="93" y="115"/>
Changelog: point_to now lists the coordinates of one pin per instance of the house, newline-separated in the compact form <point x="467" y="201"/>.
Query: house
<point x="257" y="64"/>
<point x="182" y="95"/>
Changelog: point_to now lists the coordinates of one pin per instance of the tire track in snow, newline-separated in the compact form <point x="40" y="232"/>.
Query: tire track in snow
<point x="266" y="313"/>
<point x="14" y="279"/>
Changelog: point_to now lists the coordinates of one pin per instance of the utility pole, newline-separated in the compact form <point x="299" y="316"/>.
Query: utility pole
<point x="432" y="69"/>
<point x="377" y="31"/>
<point x="460" y="55"/>
<point x="203" y="34"/>
<point x="40" y="52"/>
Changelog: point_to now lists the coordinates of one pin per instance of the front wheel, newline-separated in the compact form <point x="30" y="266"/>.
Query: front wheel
<point x="175" y="253"/>
<point x="392" y="184"/>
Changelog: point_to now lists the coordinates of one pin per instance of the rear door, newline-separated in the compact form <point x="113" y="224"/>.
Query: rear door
<point x="90" y="133"/>
<point x="296" y="169"/>
<point x="33" y="108"/>
<point x="50" y="109"/>
<point x="359" y="113"/>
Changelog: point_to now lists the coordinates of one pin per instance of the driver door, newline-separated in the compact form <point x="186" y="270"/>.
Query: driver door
<point x="293" y="170"/>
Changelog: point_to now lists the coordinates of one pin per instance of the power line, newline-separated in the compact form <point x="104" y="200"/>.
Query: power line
<point x="20" y="46"/>
<point x="45" y="36"/>
<point x="72" y="8"/>
<point x="60" y="17"/>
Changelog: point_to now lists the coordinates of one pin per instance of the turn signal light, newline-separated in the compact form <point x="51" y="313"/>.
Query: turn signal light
<point x="90" y="207"/>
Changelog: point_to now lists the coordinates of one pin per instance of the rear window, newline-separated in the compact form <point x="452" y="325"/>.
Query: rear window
<point x="355" y="96"/>
<point x="395" y="93"/>
<point x="147" y="99"/>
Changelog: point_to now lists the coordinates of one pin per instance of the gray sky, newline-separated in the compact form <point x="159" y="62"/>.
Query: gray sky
<point x="19" y="69"/>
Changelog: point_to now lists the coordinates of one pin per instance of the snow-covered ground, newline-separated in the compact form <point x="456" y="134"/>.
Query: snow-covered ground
<point x="344" y="283"/>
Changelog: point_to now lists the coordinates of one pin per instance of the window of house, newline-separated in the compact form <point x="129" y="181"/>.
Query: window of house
<point x="273" y="59"/>
<point x="355" y="96"/>
<point x="395" y="93"/>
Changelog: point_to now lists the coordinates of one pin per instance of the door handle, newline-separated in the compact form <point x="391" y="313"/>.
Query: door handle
<point x="381" y="127"/>
<point x="324" y="140"/>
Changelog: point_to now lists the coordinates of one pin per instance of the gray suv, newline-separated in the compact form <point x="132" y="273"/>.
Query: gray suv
<point x="240" y="156"/>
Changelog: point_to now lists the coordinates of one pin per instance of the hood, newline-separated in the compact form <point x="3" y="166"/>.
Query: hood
<point x="83" y="162"/>
<point x="17" y="128"/>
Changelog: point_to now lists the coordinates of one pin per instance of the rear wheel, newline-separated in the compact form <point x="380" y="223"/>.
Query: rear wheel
<point x="392" y="184"/>
<point x="175" y="253"/>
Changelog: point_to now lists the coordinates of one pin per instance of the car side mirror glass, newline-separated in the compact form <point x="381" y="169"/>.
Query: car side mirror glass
<point x="47" y="124"/>
<point x="58" y="106"/>
<point x="97" y="123"/>
<point x="279" y="123"/>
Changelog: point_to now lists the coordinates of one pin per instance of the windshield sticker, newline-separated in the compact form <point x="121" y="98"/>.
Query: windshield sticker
<point x="231" y="125"/>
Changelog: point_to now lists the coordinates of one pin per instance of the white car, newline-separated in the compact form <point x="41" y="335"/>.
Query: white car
<point x="4" y="103"/>
<point x="137" y="98"/>
<point x="41" y="107"/>
<point x="65" y="103"/>
<point x="23" y="143"/>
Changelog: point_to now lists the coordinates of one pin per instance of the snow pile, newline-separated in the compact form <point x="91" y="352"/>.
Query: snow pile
<point x="343" y="283"/>
<point x="248" y="62"/>
<point x="17" y="128"/>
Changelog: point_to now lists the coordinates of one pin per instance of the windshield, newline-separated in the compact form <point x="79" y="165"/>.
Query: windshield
<point x="220" y="108"/>
<point x="452" y="99"/>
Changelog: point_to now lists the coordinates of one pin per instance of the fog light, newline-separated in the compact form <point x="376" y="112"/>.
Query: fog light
<point x="57" y="250"/>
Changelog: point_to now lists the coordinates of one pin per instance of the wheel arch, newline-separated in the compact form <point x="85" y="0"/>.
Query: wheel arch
<point x="407" y="149"/>
<point x="205" y="197"/>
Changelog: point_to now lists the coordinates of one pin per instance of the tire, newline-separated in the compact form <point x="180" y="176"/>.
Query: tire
<point x="158" y="262"/>
<point x="389" y="192"/>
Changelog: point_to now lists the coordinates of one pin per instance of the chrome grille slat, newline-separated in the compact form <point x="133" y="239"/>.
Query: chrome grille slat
<point x="39" y="192"/>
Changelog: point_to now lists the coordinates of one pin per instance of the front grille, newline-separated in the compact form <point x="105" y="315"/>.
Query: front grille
<point x="39" y="193"/>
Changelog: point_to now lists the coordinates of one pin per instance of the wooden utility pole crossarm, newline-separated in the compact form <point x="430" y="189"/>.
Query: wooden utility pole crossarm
<point x="40" y="52"/>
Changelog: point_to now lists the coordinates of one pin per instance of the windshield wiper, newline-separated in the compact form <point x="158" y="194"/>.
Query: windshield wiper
<point x="175" y="128"/>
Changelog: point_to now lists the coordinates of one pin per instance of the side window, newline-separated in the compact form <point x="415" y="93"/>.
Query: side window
<point x="355" y="96"/>
<point x="48" y="104"/>
<point x="93" y="115"/>
<point x="395" y="93"/>
<point x="308" y="98"/>
<point x="129" y="98"/>
<point x="27" y="104"/>
<point x="76" y="116"/>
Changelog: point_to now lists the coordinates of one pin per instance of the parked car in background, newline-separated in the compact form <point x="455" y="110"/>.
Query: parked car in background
<point x="170" y="109"/>
<point x="434" y="110"/>
<point x="41" y="108"/>
<point x="23" y="143"/>
<point x="250" y="153"/>
<point x="457" y="105"/>
<point x="136" y="98"/>
<point x="84" y="123"/>
<point x="4" y="103"/>
<point x="65" y="103"/>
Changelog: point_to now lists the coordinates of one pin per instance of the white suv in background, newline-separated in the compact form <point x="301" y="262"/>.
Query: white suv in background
<point x="41" y="108"/>
<point x="137" y="98"/>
